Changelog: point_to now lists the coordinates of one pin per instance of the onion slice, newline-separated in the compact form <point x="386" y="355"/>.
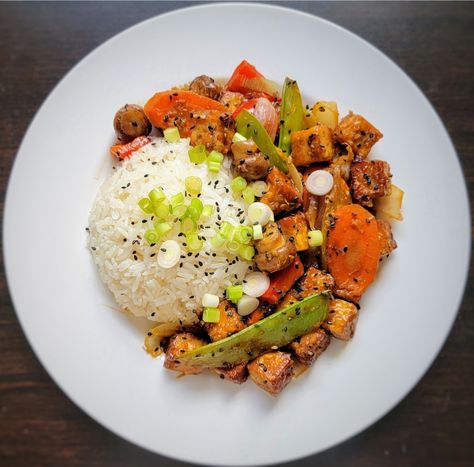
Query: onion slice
<point x="256" y="284"/>
<point x="259" y="213"/>
<point x="319" y="182"/>
<point x="247" y="305"/>
<point x="168" y="255"/>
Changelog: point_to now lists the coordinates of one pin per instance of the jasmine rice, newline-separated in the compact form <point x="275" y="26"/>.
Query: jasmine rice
<point x="128" y="264"/>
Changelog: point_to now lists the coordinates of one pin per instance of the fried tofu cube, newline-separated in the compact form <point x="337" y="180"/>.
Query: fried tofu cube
<point x="315" y="144"/>
<point x="296" y="227"/>
<point x="229" y="323"/>
<point x="255" y="316"/>
<point x="315" y="282"/>
<point x="309" y="347"/>
<point x="213" y="129"/>
<point x="359" y="133"/>
<point x="238" y="374"/>
<point x="289" y="299"/>
<point x="178" y="345"/>
<point x="342" y="319"/>
<point x="272" y="371"/>
<point x="281" y="195"/>
<point x="387" y="242"/>
<point x="231" y="100"/>
<point x="370" y="180"/>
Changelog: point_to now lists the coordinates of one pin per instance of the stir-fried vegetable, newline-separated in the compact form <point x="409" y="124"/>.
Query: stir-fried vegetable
<point x="171" y="135"/>
<point x="123" y="151"/>
<point x="353" y="250"/>
<point x="256" y="284"/>
<point x="291" y="114"/>
<point x="282" y="281"/>
<point x="276" y="330"/>
<point x="158" y="108"/>
<point x="250" y="127"/>
<point x="247" y="79"/>
<point x="390" y="207"/>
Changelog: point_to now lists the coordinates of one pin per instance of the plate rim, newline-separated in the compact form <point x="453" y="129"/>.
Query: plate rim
<point x="211" y="6"/>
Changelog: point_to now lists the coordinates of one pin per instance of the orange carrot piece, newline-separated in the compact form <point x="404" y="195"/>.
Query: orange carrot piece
<point x="255" y="316"/>
<point x="162" y="108"/>
<point x="353" y="250"/>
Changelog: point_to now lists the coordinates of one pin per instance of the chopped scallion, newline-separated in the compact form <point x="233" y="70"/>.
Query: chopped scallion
<point x="238" y="184"/>
<point x="188" y="226"/>
<point x="257" y="232"/>
<point x="151" y="236"/>
<point x="156" y="195"/>
<point x="180" y="211"/>
<point x="162" y="228"/>
<point x="145" y="205"/>
<point x="243" y="234"/>
<point x="161" y="210"/>
<point x="226" y="230"/>
<point x="217" y="241"/>
<point x="207" y="211"/>
<point x="215" y="156"/>
<point x="193" y="185"/>
<point x="171" y="135"/>
<point x="248" y="195"/>
<point x="315" y="238"/>
<point x="195" y="209"/>
<point x="194" y="242"/>
<point x="233" y="246"/>
<point x="211" y="315"/>
<point x="234" y="293"/>
<point x="247" y="252"/>
<point x="197" y="155"/>
<point x="214" y="167"/>
<point x="176" y="199"/>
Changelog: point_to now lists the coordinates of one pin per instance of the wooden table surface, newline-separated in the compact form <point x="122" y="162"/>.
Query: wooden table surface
<point x="432" y="42"/>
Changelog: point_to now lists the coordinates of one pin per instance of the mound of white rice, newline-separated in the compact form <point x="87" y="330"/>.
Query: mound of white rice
<point x="126" y="262"/>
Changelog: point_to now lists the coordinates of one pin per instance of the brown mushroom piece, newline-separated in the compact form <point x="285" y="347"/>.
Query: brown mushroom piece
<point x="130" y="122"/>
<point x="205" y="86"/>
<point x="248" y="161"/>
<point x="275" y="250"/>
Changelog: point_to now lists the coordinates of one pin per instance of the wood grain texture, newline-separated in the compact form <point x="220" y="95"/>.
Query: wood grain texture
<point x="432" y="42"/>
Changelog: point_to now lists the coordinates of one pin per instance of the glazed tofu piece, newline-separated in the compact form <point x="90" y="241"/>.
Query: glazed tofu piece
<point x="342" y="319"/>
<point x="178" y="345"/>
<point x="370" y="180"/>
<point x="313" y="145"/>
<point x="387" y="242"/>
<point x="231" y="100"/>
<point x="359" y="133"/>
<point x="256" y="316"/>
<point x="230" y="322"/>
<point x="238" y="374"/>
<point x="281" y="195"/>
<point x="272" y="371"/>
<point x="314" y="282"/>
<point x="213" y="129"/>
<point x="309" y="347"/>
<point x="289" y="299"/>
<point x="297" y="227"/>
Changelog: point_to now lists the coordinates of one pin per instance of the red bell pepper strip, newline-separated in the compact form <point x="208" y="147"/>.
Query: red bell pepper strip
<point x="282" y="281"/>
<point x="247" y="105"/>
<point x="246" y="79"/>
<point x="122" y="151"/>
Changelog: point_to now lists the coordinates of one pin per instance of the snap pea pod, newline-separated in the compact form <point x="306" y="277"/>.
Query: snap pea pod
<point x="276" y="330"/>
<point x="291" y="114"/>
<point x="250" y="127"/>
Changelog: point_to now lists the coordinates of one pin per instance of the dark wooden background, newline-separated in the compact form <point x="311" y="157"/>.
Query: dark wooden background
<point x="432" y="42"/>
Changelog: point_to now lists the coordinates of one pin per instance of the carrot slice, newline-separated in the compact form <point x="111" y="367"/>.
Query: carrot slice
<point x="353" y="250"/>
<point x="164" y="108"/>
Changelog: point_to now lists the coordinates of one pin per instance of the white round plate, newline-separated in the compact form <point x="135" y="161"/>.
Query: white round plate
<point x="95" y="353"/>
